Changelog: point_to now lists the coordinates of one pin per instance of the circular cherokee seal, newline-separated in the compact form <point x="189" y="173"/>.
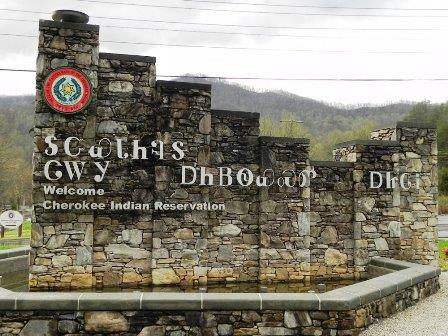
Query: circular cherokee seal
<point x="67" y="90"/>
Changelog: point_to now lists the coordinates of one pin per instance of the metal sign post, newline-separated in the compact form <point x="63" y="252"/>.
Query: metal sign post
<point x="12" y="220"/>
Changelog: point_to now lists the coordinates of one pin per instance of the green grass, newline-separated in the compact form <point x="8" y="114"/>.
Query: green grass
<point x="26" y="232"/>
<point x="443" y="257"/>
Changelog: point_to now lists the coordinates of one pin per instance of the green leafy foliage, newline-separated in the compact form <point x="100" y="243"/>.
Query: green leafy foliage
<point x="437" y="115"/>
<point x="321" y="143"/>
<point x="16" y="120"/>
<point x="443" y="254"/>
<point x="443" y="204"/>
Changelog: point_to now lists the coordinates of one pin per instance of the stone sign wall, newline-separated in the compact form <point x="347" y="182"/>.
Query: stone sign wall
<point x="284" y="214"/>
<point x="331" y="217"/>
<point x="417" y="227"/>
<point x="122" y="240"/>
<point x="234" y="234"/>
<point x="62" y="242"/>
<point x="329" y="227"/>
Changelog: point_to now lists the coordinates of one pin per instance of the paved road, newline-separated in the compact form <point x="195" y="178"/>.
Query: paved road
<point x="443" y="226"/>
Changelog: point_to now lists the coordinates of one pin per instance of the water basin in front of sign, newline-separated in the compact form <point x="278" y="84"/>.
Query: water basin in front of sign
<point x="18" y="282"/>
<point x="15" y="281"/>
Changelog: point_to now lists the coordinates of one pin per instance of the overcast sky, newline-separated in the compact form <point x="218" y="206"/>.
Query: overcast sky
<point x="427" y="60"/>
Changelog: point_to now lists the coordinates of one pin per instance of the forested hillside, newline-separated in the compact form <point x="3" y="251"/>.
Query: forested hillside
<point x="318" y="117"/>
<point x="16" y="120"/>
<point x="437" y="115"/>
<point x="324" y="124"/>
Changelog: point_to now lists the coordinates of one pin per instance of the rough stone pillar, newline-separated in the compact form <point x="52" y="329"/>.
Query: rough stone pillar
<point x="419" y="206"/>
<point x="126" y="111"/>
<point x="179" y="250"/>
<point x="332" y="220"/>
<point x="376" y="211"/>
<point x="233" y="242"/>
<point x="61" y="242"/>
<point x="387" y="133"/>
<point x="284" y="213"/>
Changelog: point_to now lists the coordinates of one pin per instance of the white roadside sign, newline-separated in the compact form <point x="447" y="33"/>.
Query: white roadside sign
<point x="11" y="219"/>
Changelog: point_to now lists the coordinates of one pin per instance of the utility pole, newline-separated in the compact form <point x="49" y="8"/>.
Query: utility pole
<point x="291" y="122"/>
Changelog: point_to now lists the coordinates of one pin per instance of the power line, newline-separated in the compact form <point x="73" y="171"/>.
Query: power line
<point x="236" y="33"/>
<point x="315" y="6"/>
<point x="257" y="34"/>
<point x="201" y="46"/>
<point x="239" y="11"/>
<point x="239" y="25"/>
<point x="18" y="20"/>
<point x="265" y="49"/>
<point x="17" y="35"/>
<point x="23" y="11"/>
<point x="278" y="78"/>
<point x="17" y="70"/>
<point x="257" y="12"/>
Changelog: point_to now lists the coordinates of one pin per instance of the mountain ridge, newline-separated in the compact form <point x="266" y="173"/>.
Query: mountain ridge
<point x="316" y="115"/>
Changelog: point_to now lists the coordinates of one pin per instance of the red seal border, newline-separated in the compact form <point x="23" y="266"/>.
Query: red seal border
<point x="67" y="109"/>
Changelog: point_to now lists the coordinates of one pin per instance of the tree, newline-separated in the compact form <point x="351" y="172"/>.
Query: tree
<point x="322" y="143"/>
<point x="437" y="115"/>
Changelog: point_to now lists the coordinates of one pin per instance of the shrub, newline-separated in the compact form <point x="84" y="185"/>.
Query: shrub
<point x="443" y="204"/>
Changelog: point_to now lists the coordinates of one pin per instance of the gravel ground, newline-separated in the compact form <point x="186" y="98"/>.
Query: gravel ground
<point x="428" y="318"/>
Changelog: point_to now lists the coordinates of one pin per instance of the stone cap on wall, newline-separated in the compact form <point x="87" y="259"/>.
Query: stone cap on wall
<point x="69" y="15"/>
<point x="407" y="124"/>
<point x="236" y="114"/>
<point x="404" y="275"/>
<point x="127" y="57"/>
<point x="183" y="85"/>
<point x="379" y="143"/>
<point x="69" y="25"/>
<point x="384" y="128"/>
<point x="415" y="124"/>
<point x="270" y="140"/>
<point x="341" y="164"/>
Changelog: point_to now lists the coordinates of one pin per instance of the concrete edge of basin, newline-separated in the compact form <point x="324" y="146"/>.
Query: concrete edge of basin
<point x="14" y="264"/>
<point x="350" y="297"/>
<point x="20" y="251"/>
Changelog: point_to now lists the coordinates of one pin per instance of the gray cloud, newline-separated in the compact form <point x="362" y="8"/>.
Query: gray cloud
<point x="21" y="52"/>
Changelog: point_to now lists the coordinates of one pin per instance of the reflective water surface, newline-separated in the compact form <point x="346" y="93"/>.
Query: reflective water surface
<point x="18" y="281"/>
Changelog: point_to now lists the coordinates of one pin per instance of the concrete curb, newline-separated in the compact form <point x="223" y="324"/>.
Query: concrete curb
<point x="20" y="251"/>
